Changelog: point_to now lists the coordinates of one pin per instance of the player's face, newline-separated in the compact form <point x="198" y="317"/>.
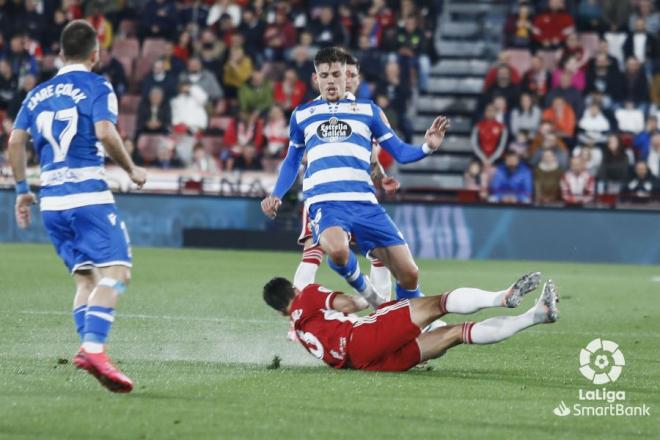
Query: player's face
<point x="352" y="79"/>
<point x="331" y="79"/>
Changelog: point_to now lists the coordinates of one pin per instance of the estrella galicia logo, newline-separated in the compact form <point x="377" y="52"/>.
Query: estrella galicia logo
<point x="334" y="130"/>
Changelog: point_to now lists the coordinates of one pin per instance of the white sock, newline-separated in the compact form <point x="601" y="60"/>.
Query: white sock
<point x="500" y="328"/>
<point x="92" y="347"/>
<point x="469" y="300"/>
<point x="382" y="280"/>
<point x="305" y="274"/>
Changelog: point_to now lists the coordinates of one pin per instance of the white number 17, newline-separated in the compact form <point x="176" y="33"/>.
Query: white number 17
<point x="45" y="126"/>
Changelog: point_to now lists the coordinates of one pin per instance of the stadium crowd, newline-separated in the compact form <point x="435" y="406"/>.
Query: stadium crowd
<point x="210" y="85"/>
<point x="570" y="109"/>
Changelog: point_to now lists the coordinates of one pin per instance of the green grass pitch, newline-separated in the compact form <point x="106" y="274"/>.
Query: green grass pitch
<point x="194" y="334"/>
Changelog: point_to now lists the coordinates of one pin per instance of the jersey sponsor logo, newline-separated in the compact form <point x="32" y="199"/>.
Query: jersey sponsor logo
<point x="296" y="314"/>
<point x="334" y="130"/>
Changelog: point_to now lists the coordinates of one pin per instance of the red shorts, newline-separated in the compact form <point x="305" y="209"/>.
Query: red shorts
<point x="385" y="340"/>
<point x="306" y="231"/>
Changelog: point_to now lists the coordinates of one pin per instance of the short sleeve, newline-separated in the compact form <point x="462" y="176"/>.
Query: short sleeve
<point x="380" y="126"/>
<point x="22" y="121"/>
<point x="296" y="136"/>
<point x="105" y="106"/>
<point x="316" y="297"/>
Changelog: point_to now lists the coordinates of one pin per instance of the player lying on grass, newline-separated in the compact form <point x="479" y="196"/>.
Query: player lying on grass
<point x="390" y="339"/>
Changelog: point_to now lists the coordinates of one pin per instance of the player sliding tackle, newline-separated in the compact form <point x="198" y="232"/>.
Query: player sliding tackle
<point x="336" y="133"/>
<point x="68" y="118"/>
<point x="390" y="339"/>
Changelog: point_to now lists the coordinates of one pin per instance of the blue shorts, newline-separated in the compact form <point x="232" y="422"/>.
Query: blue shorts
<point x="89" y="236"/>
<point x="368" y="223"/>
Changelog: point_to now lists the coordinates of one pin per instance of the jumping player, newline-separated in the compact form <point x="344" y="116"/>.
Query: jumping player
<point x="71" y="118"/>
<point x="390" y="339"/>
<point x="336" y="133"/>
<point x="313" y="254"/>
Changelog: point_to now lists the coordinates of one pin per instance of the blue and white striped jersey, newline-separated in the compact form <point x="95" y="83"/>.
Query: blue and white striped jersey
<point x="60" y="115"/>
<point x="337" y="137"/>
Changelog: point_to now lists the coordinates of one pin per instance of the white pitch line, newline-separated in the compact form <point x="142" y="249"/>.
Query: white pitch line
<point x="656" y="279"/>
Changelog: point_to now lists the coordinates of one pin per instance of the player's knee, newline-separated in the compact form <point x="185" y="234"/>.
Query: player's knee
<point x="409" y="277"/>
<point x="86" y="284"/>
<point x="338" y="254"/>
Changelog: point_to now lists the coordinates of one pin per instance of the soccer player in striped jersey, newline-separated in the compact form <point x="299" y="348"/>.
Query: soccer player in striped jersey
<point x="71" y="117"/>
<point x="313" y="253"/>
<point x="336" y="134"/>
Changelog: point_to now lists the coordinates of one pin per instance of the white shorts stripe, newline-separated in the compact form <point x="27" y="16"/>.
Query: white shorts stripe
<point x="339" y="174"/>
<point x="60" y="203"/>
<point x="339" y="149"/>
<point x="71" y="175"/>
<point x="342" y="197"/>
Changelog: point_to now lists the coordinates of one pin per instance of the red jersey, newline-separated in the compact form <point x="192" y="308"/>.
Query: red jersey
<point x="323" y="331"/>
<point x="490" y="134"/>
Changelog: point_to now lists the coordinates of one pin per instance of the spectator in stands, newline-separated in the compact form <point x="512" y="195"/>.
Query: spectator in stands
<point x="635" y="86"/>
<point x="547" y="175"/>
<point x="503" y="87"/>
<point x="183" y="47"/>
<point x="654" y="155"/>
<point x="173" y="64"/>
<point x="589" y="16"/>
<point x="590" y="153"/>
<point x="643" y="184"/>
<point x="327" y="30"/>
<point x="371" y="65"/>
<point x="642" y="142"/>
<point x="102" y="26"/>
<point x="203" y="161"/>
<point x="595" y="123"/>
<point x="613" y="171"/>
<point x="159" y="77"/>
<point x="276" y="132"/>
<point x="279" y="36"/>
<point x="512" y="182"/>
<point x="616" y="13"/>
<point x="489" y="137"/>
<point x="154" y="113"/>
<point x="252" y="28"/>
<point x="573" y="49"/>
<point x="29" y="19"/>
<point x="603" y="48"/>
<point x="503" y="60"/>
<point x="188" y="107"/>
<point x="247" y="129"/>
<point x="562" y="116"/>
<point x="603" y="76"/>
<point x="645" y="10"/>
<point x="222" y="7"/>
<point x="158" y="20"/>
<point x="537" y="80"/>
<point x="24" y="87"/>
<point x="520" y="144"/>
<point x="569" y="66"/>
<point x="630" y="119"/>
<point x="211" y="52"/>
<point x="237" y="70"/>
<point x="289" y="92"/>
<point x="578" y="187"/>
<point x="383" y="102"/>
<point x="398" y="93"/>
<point x="552" y="26"/>
<point x="518" y="28"/>
<point x="201" y="77"/>
<point x="22" y="63"/>
<point x="550" y="141"/>
<point x="566" y="90"/>
<point x="248" y="160"/>
<point x="53" y="31"/>
<point x="473" y="178"/>
<point x="8" y="84"/>
<point x="113" y="70"/>
<point x="501" y="110"/>
<point x="527" y="116"/>
<point x="167" y="157"/>
<point x="256" y="96"/>
<point x="412" y="49"/>
<point x="640" y="44"/>
<point x="132" y="151"/>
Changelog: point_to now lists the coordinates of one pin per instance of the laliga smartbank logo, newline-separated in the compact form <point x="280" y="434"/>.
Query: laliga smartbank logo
<point x="601" y="362"/>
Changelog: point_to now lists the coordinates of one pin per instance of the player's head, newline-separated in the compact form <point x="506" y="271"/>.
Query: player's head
<point x="330" y="65"/>
<point x="278" y="293"/>
<point x="352" y="74"/>
<point x="79" y="43"/>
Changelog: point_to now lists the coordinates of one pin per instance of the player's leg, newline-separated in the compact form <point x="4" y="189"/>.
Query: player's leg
<point x="380" y="276"/>
<point x="309" y="264"/>
<point x="86" y="281"/>
<point x="400" y="261"/>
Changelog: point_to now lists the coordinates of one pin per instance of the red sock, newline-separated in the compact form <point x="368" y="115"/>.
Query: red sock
<point x="313" y="255"/>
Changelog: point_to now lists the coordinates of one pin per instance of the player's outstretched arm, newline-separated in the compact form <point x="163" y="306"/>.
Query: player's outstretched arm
<point x="349" y="303"/>
<point x="106" y="132"/>
<point x="378" y="175"/>
<point x="286" y="179"/>
<point x="17" y="158"/>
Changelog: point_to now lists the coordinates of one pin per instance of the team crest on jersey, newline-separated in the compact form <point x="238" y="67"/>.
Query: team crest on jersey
<point x="113" y="218"/>
<point x="334" y="130"/>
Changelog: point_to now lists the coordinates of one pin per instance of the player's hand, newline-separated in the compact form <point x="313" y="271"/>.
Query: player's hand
<point x="23" y="204"/>
<point x="270" y="205"/>
<point x="390" y="185"/>
<point x="436" y="133"/>
<point x="139" y="176"/>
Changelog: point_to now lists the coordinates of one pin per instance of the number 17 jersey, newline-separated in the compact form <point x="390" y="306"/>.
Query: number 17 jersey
<point x="60" y="115"/>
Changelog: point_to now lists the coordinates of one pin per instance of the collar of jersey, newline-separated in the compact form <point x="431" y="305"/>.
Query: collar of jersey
<point x="72" y="68"/>
<point x="347" y="95"/>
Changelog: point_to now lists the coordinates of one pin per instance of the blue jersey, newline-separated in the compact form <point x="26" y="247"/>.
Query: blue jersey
<point x="60" y="115"/>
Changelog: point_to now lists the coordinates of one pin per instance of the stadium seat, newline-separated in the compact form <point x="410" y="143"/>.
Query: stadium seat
<point x="468" y="196"/>
<point x="152" y="48"/>
<point x="520" y="59"/>
<point x="127" y="125"/>
<point x="148" y="145"/>
<point x="127" y="64"/>
<point x="549" y="59"/>
<point x="129" y="104"/>
<point x="143" y="67"/>
<point x="127" y="28"/>
<point x="126" y="48"/>
<point x="589" y="42"/>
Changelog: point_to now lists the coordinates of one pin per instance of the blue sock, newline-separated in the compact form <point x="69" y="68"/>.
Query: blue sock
<point x="98" y="322"/>
<point x="402" y="293"/>
<point x="351" y="272"/>
<point x="79" y="319"/>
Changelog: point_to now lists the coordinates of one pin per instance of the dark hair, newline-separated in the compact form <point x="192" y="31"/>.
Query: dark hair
<point x="352" y="61"/>
<point x="78" y="40"/>
<point x="329" y="55"/>
<point x="278" y="293"/>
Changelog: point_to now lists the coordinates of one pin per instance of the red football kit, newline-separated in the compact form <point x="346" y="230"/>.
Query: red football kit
<point x="382" y="341"/>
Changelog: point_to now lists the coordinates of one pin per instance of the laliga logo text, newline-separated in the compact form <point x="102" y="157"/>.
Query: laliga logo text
<point x="601" y="362"/>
